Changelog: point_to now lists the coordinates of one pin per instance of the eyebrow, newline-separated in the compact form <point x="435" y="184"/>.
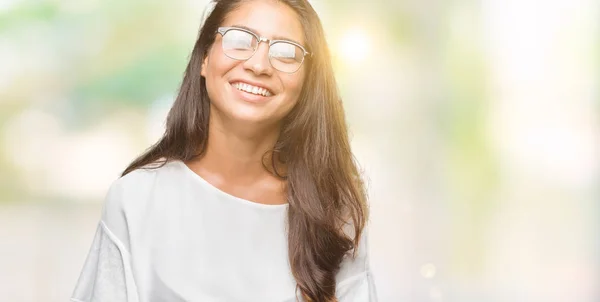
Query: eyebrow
<point x="274" y="37"/>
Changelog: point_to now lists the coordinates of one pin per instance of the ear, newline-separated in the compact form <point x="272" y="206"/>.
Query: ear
<point x="204" y="65"/>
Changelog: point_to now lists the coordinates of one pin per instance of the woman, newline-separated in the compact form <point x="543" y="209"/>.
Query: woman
<point x="252" y="193"/>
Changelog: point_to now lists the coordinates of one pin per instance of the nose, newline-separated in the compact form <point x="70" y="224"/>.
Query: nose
<point x="259" y="62"/>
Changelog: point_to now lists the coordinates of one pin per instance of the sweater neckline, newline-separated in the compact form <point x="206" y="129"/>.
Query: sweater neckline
<point x="213" y="188"/>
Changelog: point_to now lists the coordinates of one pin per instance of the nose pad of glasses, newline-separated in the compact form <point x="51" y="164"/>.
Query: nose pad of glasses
<point x="260" y="61"/>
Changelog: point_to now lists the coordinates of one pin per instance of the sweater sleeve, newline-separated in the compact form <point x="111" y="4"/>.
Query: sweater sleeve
<point x="355" y="279"/>
<point x="107" y="273"/>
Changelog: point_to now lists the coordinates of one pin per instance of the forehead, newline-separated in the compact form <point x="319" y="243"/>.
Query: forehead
<point x="268" y="18"/>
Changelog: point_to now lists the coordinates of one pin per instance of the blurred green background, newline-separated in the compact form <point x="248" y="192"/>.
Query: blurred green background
<point x="477" y="124"/>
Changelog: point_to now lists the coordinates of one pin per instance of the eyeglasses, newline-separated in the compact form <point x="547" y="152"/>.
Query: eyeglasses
<point x="241" y="44"/>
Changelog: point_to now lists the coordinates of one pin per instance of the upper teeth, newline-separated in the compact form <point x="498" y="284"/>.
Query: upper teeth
<point x="251" y="89"/>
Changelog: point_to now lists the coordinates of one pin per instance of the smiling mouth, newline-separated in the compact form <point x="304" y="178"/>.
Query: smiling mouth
<point x="252" y="89"/>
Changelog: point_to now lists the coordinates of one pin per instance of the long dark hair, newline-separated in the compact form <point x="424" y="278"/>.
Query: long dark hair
<point x="324" y="189"/>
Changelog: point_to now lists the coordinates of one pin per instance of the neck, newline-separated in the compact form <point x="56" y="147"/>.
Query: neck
<point x="236" y="152"/>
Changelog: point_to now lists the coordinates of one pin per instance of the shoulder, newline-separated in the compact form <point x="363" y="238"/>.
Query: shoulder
<point x="141" y="182"/>
<point x="130" y="187"/>
<point x="129" y="196"/>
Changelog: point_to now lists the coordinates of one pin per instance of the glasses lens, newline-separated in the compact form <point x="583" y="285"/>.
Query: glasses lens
<point x="238" y="44"/>
<point x="286" y="57"/>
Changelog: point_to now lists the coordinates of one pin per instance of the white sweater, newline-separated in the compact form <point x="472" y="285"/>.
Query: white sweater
<point x="166" y="234"/>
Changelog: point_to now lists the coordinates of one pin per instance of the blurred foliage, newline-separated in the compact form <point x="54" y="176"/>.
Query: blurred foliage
<point x="26" y="12"/>
<point x="107" y="57"/>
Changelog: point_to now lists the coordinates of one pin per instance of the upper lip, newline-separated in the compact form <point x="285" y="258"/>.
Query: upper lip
<point x="257" y="84"/>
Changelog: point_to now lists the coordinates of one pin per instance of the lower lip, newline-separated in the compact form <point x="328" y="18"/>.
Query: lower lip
<point x="249" y="97"/>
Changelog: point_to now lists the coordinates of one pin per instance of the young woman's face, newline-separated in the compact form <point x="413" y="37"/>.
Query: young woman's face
<point x="228" y="80"/>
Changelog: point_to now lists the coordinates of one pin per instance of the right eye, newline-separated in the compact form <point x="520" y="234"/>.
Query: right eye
<point x="237" y="39"/>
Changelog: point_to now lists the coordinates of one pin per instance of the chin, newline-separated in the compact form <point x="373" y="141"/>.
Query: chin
<point x="252" y="117"/>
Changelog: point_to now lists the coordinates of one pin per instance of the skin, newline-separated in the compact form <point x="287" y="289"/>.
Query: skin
<point x="240" y="132"/>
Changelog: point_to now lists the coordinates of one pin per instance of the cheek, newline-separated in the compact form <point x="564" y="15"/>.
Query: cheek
<point x="217" y="63"/>
<point x="294" y="86"/>
<point x="215" y="75"/>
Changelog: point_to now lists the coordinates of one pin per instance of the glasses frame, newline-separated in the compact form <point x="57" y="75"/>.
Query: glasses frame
<point x="224" y="29"/>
